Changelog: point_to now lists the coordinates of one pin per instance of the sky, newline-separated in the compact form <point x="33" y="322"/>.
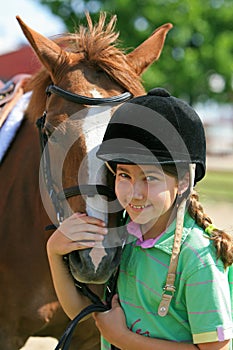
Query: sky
<point x="34" y="14"/>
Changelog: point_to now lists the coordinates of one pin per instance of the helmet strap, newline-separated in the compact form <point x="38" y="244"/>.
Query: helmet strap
<point x="169" y="288"/>
<point x="110" y="168"/>
<point x="192" y="168"/>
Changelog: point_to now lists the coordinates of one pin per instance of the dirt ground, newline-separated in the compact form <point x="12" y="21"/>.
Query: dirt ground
<point x="37" y="343"/>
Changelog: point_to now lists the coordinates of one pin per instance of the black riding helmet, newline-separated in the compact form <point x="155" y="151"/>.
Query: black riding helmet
<point x="155" y="129"/>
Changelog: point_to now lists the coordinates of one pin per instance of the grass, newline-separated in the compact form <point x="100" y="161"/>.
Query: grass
<point x="216" y="186"/>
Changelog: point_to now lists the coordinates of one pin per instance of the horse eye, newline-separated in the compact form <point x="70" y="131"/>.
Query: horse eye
<point x="100" y="71"/>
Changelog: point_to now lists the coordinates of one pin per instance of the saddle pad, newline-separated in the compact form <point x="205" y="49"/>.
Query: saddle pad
<point x="12" y="124"/>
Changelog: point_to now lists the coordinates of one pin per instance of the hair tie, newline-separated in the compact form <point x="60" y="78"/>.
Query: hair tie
<point x="209" y="229"/>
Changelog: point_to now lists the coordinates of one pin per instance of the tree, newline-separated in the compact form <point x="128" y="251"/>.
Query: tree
<point x="197" y="61"/>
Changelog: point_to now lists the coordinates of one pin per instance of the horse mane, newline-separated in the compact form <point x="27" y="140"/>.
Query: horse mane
<point x="98" y="45"/>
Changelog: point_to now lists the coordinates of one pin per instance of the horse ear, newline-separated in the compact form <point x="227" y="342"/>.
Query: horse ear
<point x="47" y="51"/>
<point x="149" y="51"/>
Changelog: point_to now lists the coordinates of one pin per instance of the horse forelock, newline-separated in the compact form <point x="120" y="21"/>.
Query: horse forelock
<point x="98" y="45"/>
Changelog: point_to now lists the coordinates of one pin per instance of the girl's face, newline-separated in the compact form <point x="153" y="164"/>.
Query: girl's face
<point x="147" y="193"/>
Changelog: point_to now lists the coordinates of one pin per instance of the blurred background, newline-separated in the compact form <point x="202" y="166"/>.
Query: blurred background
<point x="196" y="65"/>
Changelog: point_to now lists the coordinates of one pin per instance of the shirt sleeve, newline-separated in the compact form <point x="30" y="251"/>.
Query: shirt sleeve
<point x="209" y="304"/>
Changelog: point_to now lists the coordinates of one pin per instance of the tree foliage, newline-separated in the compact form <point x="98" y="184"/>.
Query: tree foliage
<point x="197" y="61"/>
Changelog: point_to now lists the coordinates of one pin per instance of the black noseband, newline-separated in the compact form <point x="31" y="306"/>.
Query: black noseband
<point x="84" y="100"/>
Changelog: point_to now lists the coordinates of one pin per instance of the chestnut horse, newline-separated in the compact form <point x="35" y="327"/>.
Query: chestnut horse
<point x="86" y="63"/>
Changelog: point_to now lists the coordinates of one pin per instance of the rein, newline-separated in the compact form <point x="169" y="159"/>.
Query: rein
<point x="97" y="306"/>
<point x="87" y="189"/>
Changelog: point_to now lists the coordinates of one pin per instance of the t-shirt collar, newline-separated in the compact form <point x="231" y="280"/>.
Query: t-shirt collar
<point x="134" y="229"/>
<point x="164" y="240"/>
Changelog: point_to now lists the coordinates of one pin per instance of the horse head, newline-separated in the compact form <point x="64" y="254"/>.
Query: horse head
<point x="79" y="72"/>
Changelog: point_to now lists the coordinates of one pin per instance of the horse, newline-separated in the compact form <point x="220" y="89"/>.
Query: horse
<point x="79" y="70"/>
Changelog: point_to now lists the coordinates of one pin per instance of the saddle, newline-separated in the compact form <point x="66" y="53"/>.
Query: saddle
<point x="10" y="93"/>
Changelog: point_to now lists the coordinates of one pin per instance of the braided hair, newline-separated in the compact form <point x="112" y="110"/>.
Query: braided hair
<point x="222" y="240"/>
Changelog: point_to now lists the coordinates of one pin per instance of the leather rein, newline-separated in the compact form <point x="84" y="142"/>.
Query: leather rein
<point x="87" y="189"/>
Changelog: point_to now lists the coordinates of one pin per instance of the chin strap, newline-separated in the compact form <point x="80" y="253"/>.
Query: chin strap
<point x="169" y="288"/>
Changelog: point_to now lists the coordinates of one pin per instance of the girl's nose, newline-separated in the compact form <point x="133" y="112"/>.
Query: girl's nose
<point x="139" y="190"/>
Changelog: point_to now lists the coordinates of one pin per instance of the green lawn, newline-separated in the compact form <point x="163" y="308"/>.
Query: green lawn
<point x="217" y="185"/>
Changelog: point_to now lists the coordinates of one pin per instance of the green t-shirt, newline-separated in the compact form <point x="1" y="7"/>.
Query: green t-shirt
<point x="201" y="309"/>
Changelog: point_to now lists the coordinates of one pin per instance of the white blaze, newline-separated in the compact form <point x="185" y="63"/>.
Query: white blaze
<point x="94" y="126"/>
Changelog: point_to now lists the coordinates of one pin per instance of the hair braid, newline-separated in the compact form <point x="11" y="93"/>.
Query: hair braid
<point x="222" y="240"/>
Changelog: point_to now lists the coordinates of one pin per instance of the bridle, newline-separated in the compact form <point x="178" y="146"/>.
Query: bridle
<point x="84" y="100"/>
<point x="89" y="190"/>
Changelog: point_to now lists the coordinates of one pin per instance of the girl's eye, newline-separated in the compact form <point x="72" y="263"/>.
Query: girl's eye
<point x="123" y="175"/>
<point x="151" y="178"/>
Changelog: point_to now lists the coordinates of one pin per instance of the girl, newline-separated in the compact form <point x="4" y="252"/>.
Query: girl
<point x="173" y="289"/>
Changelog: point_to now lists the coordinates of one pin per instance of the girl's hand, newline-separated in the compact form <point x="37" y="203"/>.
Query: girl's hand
<point x="79" y="231"/>
<point x="112" y="323"/>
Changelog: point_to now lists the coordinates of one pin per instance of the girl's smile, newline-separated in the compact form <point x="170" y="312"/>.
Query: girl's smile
<point x="138" y="207"/>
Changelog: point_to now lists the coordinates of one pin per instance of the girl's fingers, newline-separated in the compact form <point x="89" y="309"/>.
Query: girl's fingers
<point x="115" y="301"/>
<point x="85" y="227"/>
<point x="77" y="227"/>
<point x="83" y="232"/>
<point x="86" y="236"/>
<point x="89" y="219"/>
<point x="94" y="229"/>
<point x="79" y="214"/>
<point x="82" y="245"/>
<point x="80" y="231"/>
